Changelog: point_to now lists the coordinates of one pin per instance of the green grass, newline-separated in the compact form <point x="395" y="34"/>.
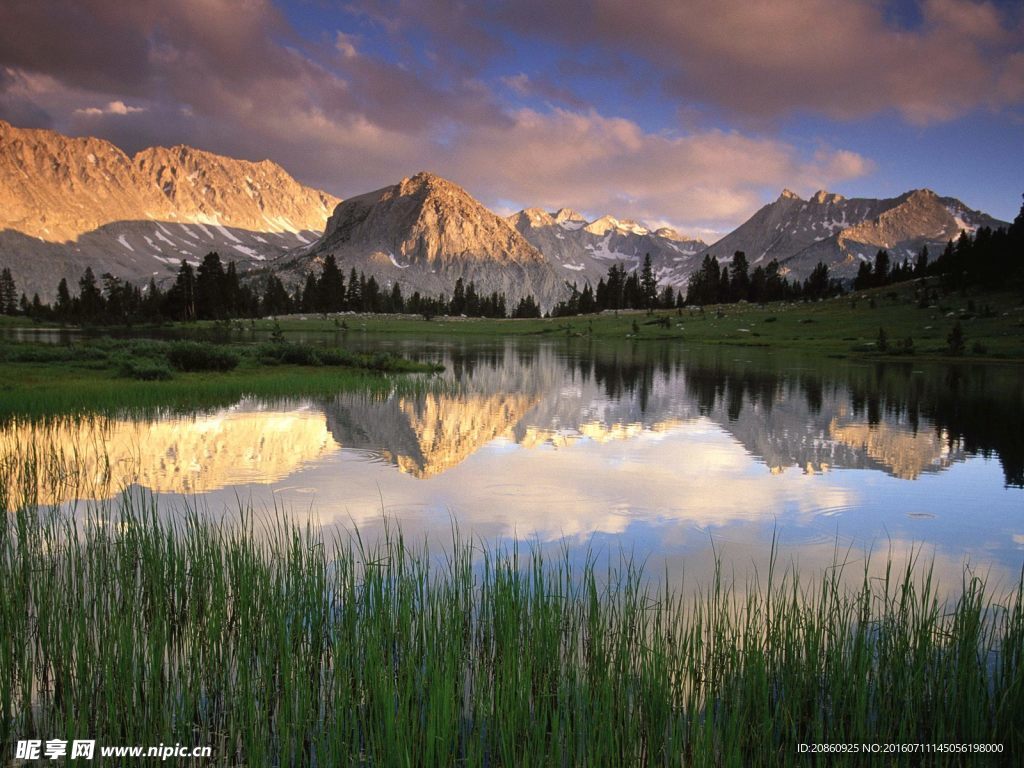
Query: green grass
<point x="277" y="644"/>
<point x="846" y="326"/>
<point x="108" y="375"/>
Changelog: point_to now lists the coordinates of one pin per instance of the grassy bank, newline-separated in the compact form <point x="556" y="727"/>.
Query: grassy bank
<point x="992" y="325"/>
<point x="276" y="646"/>
<point x="114" y="375"/>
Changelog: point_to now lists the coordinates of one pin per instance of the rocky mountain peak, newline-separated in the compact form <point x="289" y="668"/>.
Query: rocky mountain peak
<point x="602" y="225"/>
<point x="821" y="197"/>
<point x="536" y="217"/>
<point x="567" y="214"/>
<point x="788" y="194"/>
<point x="922" y="195"/>
<point x="426" y="232"/>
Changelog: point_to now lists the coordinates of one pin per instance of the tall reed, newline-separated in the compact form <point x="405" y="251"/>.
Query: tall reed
<point x="278" y="644"/>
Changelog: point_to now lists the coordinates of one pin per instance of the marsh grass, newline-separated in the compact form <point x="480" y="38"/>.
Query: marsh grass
<point x="113" y="377"/>
<point x="278" y="643"/>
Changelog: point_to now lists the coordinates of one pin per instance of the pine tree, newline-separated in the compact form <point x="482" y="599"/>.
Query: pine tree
<point x="330" y="290"/>
<point x="8" y="293"/>
<point x="354" y="300"/>
<point x="739" y="277"/>
<point x="817" y="286"/>
<point x="90" y="300"/>
<point x="180" y="301"/>
<point x="64" y="306"/>
<point x="648" y="285"/>
<point x="397" y="301"/>
<point x="310" y="294"/>
<point x="880" y="273"/>
<point x="210" y="285"/>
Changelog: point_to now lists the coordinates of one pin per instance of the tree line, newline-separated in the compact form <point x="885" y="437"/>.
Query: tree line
<point x="716" y="283"/>
<point x="620" y="290"/>
<point x="213" y="291"/>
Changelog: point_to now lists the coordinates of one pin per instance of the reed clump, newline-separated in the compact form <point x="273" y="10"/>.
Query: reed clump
<point x="277" y="644"/>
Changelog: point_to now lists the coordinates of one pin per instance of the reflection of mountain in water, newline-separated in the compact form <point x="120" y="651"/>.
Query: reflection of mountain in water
<point x="891" y="418"/>
<point x="177" y="455"/>
<point x="904" y="452"/>
<point x="556" y="397"/>
<point x="787" y="432"/>
<point x="429" y="433"/>
<point x="884" y="416"/>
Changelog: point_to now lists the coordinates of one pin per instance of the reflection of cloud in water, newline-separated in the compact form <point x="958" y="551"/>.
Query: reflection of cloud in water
<point x="691" y="473"/>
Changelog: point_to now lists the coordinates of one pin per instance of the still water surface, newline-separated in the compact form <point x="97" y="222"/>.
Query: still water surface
<point x="672" y="454"/>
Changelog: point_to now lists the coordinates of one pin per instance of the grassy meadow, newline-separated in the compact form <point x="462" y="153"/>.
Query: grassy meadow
<point x="109" y="375"/>
<point x="992" y="325"/>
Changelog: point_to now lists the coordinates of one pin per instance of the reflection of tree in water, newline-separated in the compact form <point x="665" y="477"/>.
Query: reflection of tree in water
<point x="784" y="409"/>
<point x="974" y="409"/>
<point x="979" y="409"/>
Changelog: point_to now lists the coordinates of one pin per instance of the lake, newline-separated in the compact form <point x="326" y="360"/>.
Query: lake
<point x="674" y="455"/>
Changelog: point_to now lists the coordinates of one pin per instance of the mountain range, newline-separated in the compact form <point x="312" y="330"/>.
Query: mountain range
<point x="67" y="203"/>
<point x="842" y="232"/>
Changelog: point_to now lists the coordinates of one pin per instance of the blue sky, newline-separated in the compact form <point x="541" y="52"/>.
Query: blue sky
<point x="691" y="113"/>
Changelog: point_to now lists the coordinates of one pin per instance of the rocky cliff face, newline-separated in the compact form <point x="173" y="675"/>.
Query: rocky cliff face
<point x="426" y="232"/>
<point x="67" y="203"/>
<point x="583" y="251"/>
<point x="842" y="232"/>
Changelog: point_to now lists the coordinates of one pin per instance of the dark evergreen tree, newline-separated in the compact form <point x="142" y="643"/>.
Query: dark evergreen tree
<point x="233" y="305"/>
<point x="880" y="273"/>
<point x="64" y="306"/>
<point x="739" y="278"/>
<point x="397" y="302"/>
<point x="354" y="299"/>
<point x="704" y="286"/>
<point x="90" y="300"/>
<point x="211" y="282"/>
<point x="8" y="293"/>
<point x="587" y="303"/>
<point x="818" y="285"/>
<point x="458" y="302"/>
<point x="648" y="285"/>
<point x="310" y="294"/>
<point x="921" y="265"/>
<point x="180" y="301"/>
<point x="276" y="300"/>
<point x="330" y="290"/>
<point x="864" y="278"/>
<point x="371" y="295"/>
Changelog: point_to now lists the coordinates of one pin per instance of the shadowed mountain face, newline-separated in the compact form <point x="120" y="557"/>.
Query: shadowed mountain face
<point x="67" y="203"/>
<point x="841" y="232"/>
<point x="424" y="233"/>
<point x="582" y="252"/>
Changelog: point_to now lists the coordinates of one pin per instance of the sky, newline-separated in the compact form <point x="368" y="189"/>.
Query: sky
<point x="687" y="113"/>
